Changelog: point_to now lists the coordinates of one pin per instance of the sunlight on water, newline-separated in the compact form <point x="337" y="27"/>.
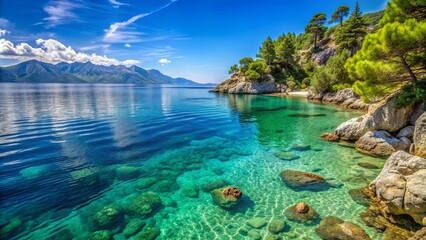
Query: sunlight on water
<point x="137" y="161"/>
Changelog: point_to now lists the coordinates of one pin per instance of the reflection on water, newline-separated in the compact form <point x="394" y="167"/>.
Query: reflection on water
<point x="69" y="151"/>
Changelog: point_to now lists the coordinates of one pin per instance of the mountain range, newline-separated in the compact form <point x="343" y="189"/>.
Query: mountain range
<point x="34" y="71"/>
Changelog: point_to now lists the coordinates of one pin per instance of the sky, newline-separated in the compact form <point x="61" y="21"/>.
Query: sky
<point x="195" y="39"/>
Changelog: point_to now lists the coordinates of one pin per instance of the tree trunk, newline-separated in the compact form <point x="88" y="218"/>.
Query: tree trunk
<point x="404" y="63"/>
<point x="315" y="41"/>
<point x="341" y="21"/>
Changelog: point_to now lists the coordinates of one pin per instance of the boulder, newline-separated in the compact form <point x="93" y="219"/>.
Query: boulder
<point x="407" y="132"/>
<point x="253" y="234"/>
<point x="226" y="197"/>
<point x="303" y="180"/>
<point x="359" y="104"/>
<point x="144" y="204"/>
<point x="101" y="235"/>
<point x="208" y="187"/>
<point x="379" y="143"/>
<point x="419" y="109"/>
<point x="276" y="225"/>
<point x="239" y="84"/>
<point x="35" y="172"/>
<point x="400" y="186"/>
<point x="125" y="173"/>
<point x="419" y="136"/>
<point x="133" y="227"/>
<point x="333" y="228"/>
<point x="256" y="222"/>
<point x="301" y="147"/>
<point x="359" y="196"/>
<point x="108" y="216"/>
<point x="330" y="137"/>
<point x="148" y="233"/>
<point x="301" y="212"/>
<point x="287" y="156"/>
<point x="380" y="116"/>
<point x="145" y="182"/>
<point x="189" y="189"/>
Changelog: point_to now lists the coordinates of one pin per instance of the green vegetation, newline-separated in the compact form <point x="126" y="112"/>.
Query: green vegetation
<point x="316" y="27"/>
<point x="338" y="15"/>
<point x="395" y="55"/>
<point x="377" y="53"/>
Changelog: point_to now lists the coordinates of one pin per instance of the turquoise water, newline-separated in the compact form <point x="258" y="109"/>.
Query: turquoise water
<point x="67" y="151"/>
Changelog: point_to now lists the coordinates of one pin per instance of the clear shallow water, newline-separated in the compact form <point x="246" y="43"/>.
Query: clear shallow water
<point x="61" y="146"/>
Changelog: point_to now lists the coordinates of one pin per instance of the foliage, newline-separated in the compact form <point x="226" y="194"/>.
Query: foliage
<point x="373" y="19"/>
<point x="233" y="69"/>
<point x="351" y="34"/>
<point x="267" y="51"/>
<point x="316" y="26"/>
<point x="303" y="41"/>
<point x="338" y="15"/>
<point x="333" y="76"/>
<point x="244" y="63"/>
<point x="256" y="70"/>
<point x="394" y="56"/>
<point x="412" y="93"/>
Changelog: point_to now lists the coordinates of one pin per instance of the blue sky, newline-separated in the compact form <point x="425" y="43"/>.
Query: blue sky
<point x="195" y="39"/>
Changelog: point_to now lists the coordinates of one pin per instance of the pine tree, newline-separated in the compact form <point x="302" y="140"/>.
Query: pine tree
<point x="316" y="26"/>
<point x="338" y="15"/>
<point x="351" y="34"/>
<point x="267" y="51"/>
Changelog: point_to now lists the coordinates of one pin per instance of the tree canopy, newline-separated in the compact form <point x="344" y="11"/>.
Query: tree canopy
<point x="316" y="26"/>
<point x="341" y="13"/>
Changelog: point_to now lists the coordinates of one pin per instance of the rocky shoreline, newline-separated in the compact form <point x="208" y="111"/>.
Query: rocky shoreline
<point x="396" y="199"/>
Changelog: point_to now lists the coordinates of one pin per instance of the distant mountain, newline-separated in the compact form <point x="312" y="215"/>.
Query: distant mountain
<point x="34" y="71"/>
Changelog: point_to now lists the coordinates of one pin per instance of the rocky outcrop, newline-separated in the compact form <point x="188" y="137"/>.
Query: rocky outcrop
<point x="379" y="143"/>
<point x="380" y="116"/>
<point x="322" y="57"/>
<point x="226" y="197"/>
<point x="332" y="228"/>
<point x="239" y="84"/>
<point x="303" y="180"/>
<point x="401" y="186"/>
<point x="346" y="98"/>
<point x="419" y="137"/>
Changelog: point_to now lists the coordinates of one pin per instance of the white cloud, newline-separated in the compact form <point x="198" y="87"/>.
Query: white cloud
<point x="3" y="32"/>
<point x="120" y="32"/>
<point x="92" y="47"/>
<point x="164" y="61"/>
<point x="127" y="45"/>
<point x="60" y="12"/>
<point x="5" y="24"/>
<point x="53" y="51"/>
<point x="117" y="4"/>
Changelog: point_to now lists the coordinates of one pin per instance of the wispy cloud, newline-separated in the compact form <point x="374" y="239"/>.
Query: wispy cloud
<point x="53" y="51"/>
<point x="5" y="24"/>
<point x="3" y="32"/>
<point x="93" y="47"/>
<point x="117" y="4"/>
<point x="164" y="61"/>
<point x="60" y="12"/>
<point x="122" y="32"/>
<point x="127" y="45"/>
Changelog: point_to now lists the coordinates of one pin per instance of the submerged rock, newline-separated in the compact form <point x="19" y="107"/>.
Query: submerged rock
<point x="145" y="182"/>
<point x="379" y="143"/>
<point x="189" y="189"/>
<point x="148" y="233"/>
<point x="125" y="173"/>
<point x="401" y="185"/>
<point x="208" y="187"/>
<point x="11" y="227"/>
<point x="108" y="216"/>
<point x="226" y="197"/>
<point x="301" y="212"/>
<point x="87" y="176"/>
<point x="288" y="156"/>
<point x="101" y="235"/>
<point x="144" y="204"/>
<point x="359" y="196"/>
<point x="301" y="147"/>
<point x="253" y="234"/>
<point x="256" y="222"/>
<point x="330" y="137"/>
<point x="367" y="165"/>
<point x="303" y="180"/>
<point x="333" y="228"/>
<point x="133" y="227"/>
<point x="35" y="172"/>
<point x="276" y="225"/>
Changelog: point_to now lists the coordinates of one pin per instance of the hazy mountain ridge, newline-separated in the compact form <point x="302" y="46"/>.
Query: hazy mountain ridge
<point x="34" y="71"/>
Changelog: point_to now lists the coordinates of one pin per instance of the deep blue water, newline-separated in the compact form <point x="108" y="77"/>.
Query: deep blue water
<point x="61" y="146"/>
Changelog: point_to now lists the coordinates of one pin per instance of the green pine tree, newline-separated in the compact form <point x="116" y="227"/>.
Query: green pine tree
<point x="316" y="27"/>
